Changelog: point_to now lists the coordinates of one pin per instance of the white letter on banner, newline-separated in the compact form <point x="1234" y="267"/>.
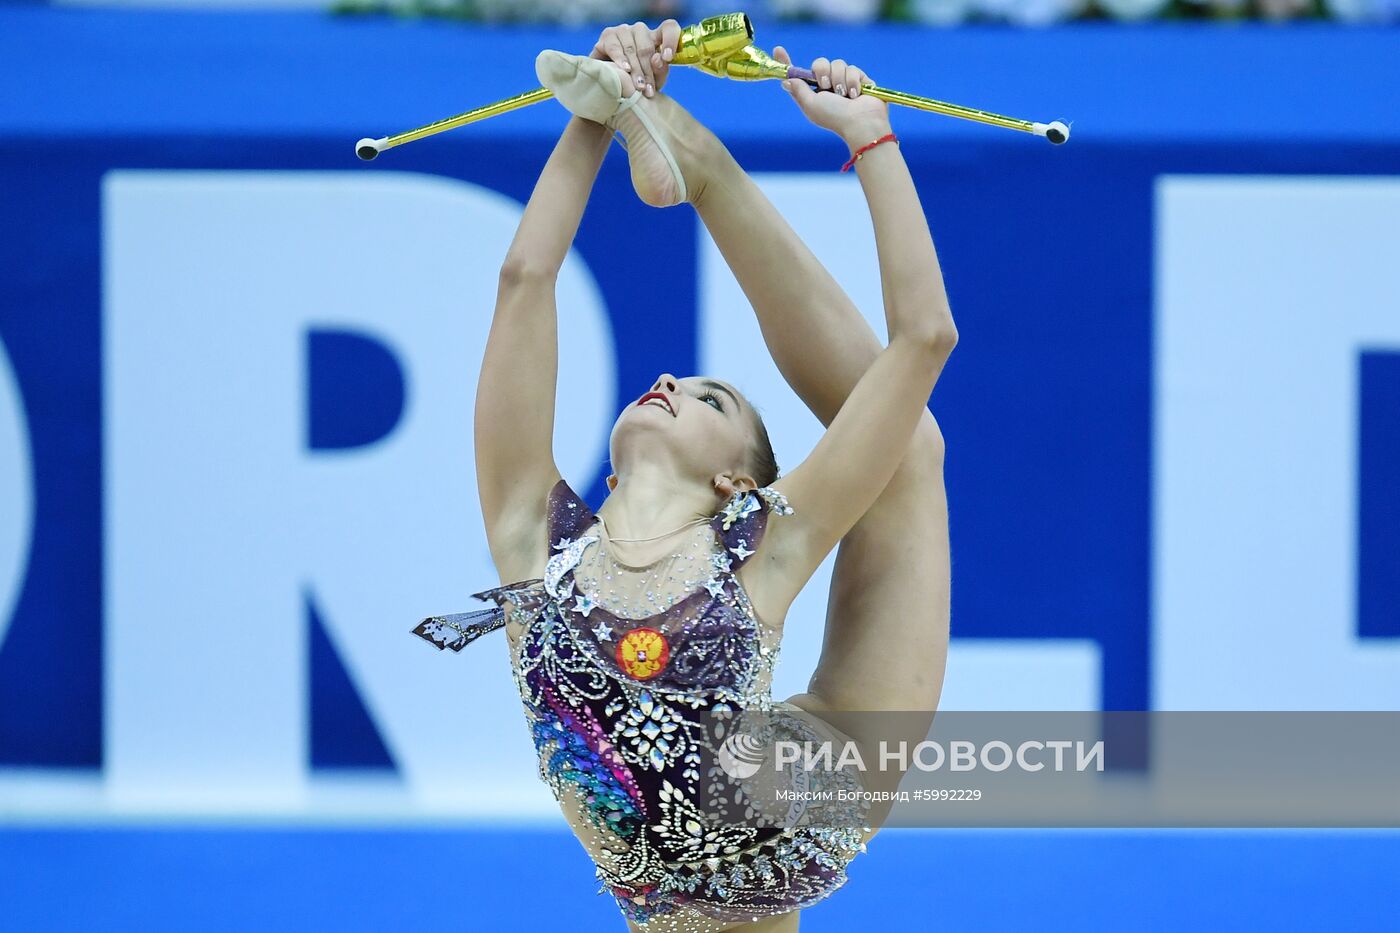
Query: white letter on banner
<point x="1268" y="289"/>
<point x="16" y="493"/>
<point x="219" y="521"/>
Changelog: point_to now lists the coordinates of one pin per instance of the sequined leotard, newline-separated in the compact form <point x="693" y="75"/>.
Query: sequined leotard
<point x="623" y="710"/>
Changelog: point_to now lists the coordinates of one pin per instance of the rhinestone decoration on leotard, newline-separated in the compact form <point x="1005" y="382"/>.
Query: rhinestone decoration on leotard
<point x="621" y="669"/>
<point x="638" y="591"/>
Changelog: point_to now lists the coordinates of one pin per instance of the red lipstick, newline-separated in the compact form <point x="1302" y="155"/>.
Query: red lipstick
<point x="658" y="395"/>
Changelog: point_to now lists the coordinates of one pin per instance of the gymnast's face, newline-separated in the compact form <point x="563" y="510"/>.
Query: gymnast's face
<point x="701" y="426"/>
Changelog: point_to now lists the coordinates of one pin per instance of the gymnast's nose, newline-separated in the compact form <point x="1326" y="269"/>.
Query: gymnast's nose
<point x="667" y="383"/>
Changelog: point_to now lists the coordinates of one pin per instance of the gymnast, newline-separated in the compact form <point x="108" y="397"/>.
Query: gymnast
<point x="628" y="625"/>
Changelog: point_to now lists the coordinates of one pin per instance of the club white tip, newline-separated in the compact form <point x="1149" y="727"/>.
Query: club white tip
<point x="368" y="148"/>
<point x="1056" y="132"/>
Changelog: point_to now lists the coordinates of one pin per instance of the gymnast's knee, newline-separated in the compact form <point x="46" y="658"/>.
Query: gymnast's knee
<point x="925" y="452"/>
<point x="928" y="437"/>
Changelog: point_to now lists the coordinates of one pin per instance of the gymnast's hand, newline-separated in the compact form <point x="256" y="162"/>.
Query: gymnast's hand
<point x="846" y="111"/>
<point x="642" y="52"/>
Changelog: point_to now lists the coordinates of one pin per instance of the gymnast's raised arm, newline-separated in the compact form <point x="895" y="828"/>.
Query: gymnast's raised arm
<point x="514" y="420"/>
<point x="515" y="467"/>
<point x="867" y="439"/>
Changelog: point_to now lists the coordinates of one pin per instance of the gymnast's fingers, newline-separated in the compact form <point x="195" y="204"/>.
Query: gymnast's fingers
<point x="629" y="49"/>
<point x="645" y="44"/>
<point x="611" y="47"/>
<point x="838" y="77"/>
<point x="822" y="69"/>
<point x="669" y="39"/>
<point x="853" y="81"/>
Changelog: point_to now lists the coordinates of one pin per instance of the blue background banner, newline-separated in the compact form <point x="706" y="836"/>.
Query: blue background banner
<point x="181" y="199"/>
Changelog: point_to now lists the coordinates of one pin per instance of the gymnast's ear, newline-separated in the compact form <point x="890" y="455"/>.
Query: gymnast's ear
<point x="726" y="484"/>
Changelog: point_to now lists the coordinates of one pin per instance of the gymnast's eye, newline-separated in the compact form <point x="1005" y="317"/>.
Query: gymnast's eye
<point x="711" y="397"/>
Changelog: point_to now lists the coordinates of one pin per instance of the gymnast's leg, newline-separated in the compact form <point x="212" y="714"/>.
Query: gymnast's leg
<point x="887" y="619"/>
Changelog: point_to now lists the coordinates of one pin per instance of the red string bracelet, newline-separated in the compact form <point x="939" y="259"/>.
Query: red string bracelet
<point x="887" y="138"/>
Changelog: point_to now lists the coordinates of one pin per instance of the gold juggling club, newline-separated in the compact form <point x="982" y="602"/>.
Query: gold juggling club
<point x="723" y="46"/>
